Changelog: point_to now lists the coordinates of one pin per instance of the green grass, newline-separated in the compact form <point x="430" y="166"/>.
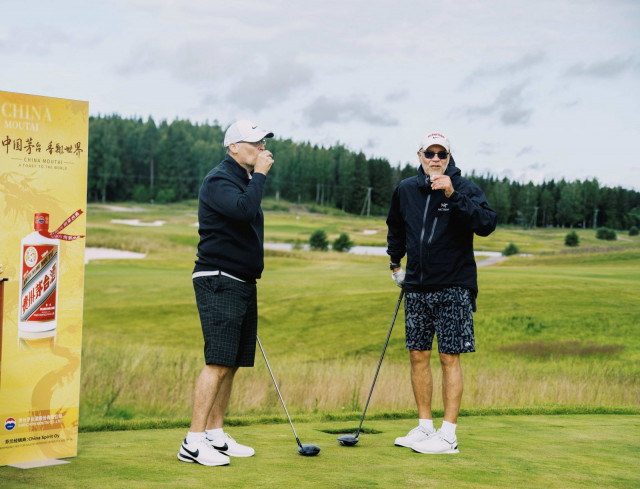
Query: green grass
<point x="588" y="451"/>
<point x="551" y="241"/>
<point x="291" y="223"/>
<point x="556" y="333"/>
<point x="558" y="328"/>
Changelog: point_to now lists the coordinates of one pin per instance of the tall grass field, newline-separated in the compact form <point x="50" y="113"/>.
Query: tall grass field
<point x="556" y="330"/>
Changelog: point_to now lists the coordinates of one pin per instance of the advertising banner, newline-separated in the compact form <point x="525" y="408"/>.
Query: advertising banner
<point x="43" y="196"/>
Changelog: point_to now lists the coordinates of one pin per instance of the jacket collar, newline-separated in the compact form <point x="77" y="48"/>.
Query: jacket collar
<point x="236" y="168"/>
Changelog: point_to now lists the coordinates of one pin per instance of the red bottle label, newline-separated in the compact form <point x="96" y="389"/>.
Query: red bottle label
<point x="38" y="282"/>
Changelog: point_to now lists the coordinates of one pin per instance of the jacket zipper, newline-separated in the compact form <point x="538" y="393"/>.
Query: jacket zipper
<point x="433" y="228"/>
<point x="424" y="223"/>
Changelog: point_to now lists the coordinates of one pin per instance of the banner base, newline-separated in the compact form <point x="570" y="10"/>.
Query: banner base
<point x="39" y="463"/>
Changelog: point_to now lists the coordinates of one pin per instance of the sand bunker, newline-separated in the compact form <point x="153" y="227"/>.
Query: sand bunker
<point x="136" y="222"/>
<point x="118" y="208"/>
<point x="110" y="254"/>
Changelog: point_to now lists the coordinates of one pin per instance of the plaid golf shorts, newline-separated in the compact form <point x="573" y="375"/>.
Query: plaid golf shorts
<point x="447" y="313"/>
<point x="228" y="312"/>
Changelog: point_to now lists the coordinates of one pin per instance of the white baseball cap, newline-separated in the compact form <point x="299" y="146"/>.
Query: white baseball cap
<point x="244" y="130"/>
<point x="435" y="138"/>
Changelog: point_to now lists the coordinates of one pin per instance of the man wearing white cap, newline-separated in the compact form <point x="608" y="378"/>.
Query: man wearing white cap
<point x="230" y="260"/>
<point x="432" y="219"/>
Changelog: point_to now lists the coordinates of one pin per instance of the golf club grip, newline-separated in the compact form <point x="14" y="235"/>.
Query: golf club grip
<point x="384" y="349"/>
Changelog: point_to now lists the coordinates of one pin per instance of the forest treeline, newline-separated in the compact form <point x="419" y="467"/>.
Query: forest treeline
<point x="133" y="159"/>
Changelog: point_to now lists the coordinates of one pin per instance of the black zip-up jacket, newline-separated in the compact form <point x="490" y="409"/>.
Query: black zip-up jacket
<point x="436" y="233"/>
<point x="231" y="223"/>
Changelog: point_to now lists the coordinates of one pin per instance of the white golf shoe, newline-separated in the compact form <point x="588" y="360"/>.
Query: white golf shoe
<point x="201" y="452"/>
<point x="416" y="435"/>
<point x="227" y="445"/>
<point x="437" y="443"/>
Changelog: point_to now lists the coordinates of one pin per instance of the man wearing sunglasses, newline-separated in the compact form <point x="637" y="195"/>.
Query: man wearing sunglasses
<point x="432" y="220"/>
<point x="230" y="260"/>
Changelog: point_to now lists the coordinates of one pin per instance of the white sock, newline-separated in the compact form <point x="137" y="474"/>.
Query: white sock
<point x="213" y="434"/>
<point x="448" y="428"/>
<point x="426" y="423"/>
<point x="191" y="436"/>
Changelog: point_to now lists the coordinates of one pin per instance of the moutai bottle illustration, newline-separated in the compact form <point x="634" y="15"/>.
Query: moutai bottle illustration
<point x="39" y="267"/>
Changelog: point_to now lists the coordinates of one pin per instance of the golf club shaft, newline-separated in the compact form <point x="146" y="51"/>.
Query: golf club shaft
<point x="277" y="389"/>
<point x="380" y="362"/>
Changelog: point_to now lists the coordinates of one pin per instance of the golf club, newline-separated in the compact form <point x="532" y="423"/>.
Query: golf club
<point x="307" y="450"/>
<point x="351" y="440"/>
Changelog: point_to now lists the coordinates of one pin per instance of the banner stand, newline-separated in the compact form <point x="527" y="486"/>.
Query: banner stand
<point x="39" y="463"/>
<point x="43" y="162"/>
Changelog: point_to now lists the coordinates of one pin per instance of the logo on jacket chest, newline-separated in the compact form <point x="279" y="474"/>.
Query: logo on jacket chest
<point x="444" y="207"/>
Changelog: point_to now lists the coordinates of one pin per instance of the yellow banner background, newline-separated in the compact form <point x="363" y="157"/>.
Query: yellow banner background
<point x="43" y="158"/>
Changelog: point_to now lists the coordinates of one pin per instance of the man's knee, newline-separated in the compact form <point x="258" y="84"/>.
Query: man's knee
<point x="450" y="360"/>
<point x="419" y="357"/>
<point x="221" y="371"/>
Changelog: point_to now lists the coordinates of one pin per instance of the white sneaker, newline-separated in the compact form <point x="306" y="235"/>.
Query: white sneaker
<point x="227" y="445"/>
<point x="417" y="434"/>
<point x="438" y="443"/>
<point x="201" y="452"/>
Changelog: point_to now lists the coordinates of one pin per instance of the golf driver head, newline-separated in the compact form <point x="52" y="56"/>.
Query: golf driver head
<point x="308" y="450"/>
<point x="348" y="440"/>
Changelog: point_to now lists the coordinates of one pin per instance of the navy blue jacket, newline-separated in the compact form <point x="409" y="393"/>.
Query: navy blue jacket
<point x="231" y="223"/>
<point x="436" y="232"/>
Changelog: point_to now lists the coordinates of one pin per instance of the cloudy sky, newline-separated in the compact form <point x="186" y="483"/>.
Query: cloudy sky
<point x="531" y="90"/>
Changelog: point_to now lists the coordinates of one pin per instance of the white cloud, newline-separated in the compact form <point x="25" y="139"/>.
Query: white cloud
<point x="509" y="106"/>
<point x="603" y="68"/>
<point x="324" y="110"/>
<point x="40" y="46"/>
<point x="523" y="64"/>
<point x="372" y="143"/>
<point x="486" y="149"/>
<point x="276" y="83"/>
<point x="397" y="96"/>
<point x="524" y="151"/>
<point x="496" y="76"/>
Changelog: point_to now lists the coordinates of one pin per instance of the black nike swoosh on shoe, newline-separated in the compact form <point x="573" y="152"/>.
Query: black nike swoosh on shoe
<point x="193" y="454"/>
<point x="223" y="448"/>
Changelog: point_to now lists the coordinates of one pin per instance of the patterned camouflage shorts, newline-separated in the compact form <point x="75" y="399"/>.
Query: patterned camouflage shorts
<point x="447" y="313"/>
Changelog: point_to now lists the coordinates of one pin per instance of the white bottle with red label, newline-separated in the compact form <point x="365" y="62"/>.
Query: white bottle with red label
<point x="39" y="268"/>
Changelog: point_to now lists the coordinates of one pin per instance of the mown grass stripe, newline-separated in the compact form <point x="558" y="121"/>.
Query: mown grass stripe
<point x="165" y="423"/>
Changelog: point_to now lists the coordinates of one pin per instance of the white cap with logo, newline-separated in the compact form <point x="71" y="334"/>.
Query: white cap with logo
<point x="244" y="130"/>
<point x="435" y="138"/>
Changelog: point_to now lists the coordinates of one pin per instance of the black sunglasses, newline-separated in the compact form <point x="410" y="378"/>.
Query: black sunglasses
<point x="430" y="154"/>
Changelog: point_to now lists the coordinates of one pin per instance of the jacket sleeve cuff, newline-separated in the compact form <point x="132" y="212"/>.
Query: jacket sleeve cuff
<point x="455" y="196"/>
<point x="259" y="177"/>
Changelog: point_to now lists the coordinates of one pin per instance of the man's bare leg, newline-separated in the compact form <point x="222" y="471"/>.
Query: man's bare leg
<point x="422" y="381"/>
<point x="451" y="386"/>
<point x="206" y="391"/>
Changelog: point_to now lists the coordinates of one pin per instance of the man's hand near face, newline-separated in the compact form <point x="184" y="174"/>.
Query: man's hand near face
<point x="263" y="162"/>
<point x="442" y="182"/>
